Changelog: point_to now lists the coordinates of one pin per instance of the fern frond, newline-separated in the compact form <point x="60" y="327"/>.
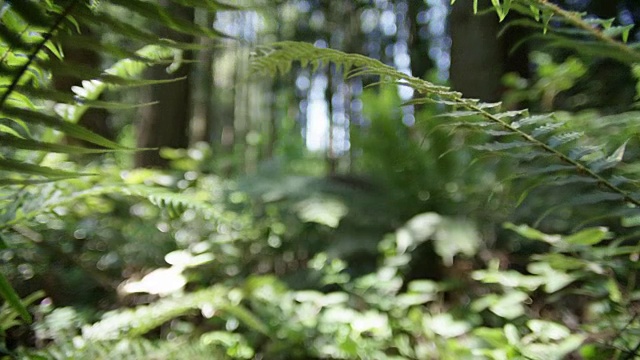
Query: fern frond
<point x="537" y="134"/>
<point x="31" y="38"/>
<point x="46" y="198"/>
<point x="585" y="34"/>
<point x="142" y="319"/>
<point x="126" y="349"/>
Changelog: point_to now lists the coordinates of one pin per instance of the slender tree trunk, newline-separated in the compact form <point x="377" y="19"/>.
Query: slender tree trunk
<point x="332" y="158"/>
<point x="203" y="119"/>
<point x="476" y="52"/>
<point x="418" y="48"/>
<point x="94" y="119"/>
<point x="166" y="124"/>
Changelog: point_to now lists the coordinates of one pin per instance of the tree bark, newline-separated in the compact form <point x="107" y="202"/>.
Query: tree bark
<point x="476" y="52"/>
<point x="166" y="124"/>
<point x="203" y="118"/>
<point x="94" y="119"/>
<point x="418" y="49"/>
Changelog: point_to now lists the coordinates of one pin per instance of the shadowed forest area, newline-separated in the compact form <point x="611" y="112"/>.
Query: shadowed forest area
<point x="315" y="179"/>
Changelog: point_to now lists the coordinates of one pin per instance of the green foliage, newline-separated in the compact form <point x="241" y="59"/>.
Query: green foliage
<point x="282" y="266"/>
<point x="530" y="139"/>
<point x="34" y="115"/>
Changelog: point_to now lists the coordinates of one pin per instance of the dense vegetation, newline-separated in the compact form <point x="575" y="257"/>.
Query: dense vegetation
<point x="430" y="223"/>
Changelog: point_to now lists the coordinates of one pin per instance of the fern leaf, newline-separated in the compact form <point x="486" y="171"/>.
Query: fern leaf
<point x="545" y="129"/>
<point x="561" y="139"/>
<point x="539" y="140"/>
<point x="530" y="120"/>
<point x="12" y="298"/>
<point x="572" y="179"/>
<point x="499" y="146"/>
<point x="32" y="169"/>
<point x="52" y="122"/>
<point x="581" y="152"/>
<point x="139" y="321"/>
<point x="596" y="197"/>
<point x="16" y="142"/>
<point x="156" y="13"/>
<point x="48" y="198"/>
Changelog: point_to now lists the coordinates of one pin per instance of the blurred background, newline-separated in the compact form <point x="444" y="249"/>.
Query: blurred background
<point x="318" y="184"/>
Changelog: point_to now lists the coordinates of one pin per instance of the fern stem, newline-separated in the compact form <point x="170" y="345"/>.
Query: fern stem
<point x="46" y="38"/>
<point x="580" y="168"/>
<point x="578" y="22"/>
<point x="284" y="53"/>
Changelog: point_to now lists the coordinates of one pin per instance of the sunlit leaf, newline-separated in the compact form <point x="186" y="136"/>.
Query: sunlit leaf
<point x="614" y="290"/>
<point x="446" y="326"/>
<point x="611" y="161"/>
<point x="531" y="233"/>
<point x="33" y="169"/>
<point x="591" y="236"/>
<point x="510" y="305"/>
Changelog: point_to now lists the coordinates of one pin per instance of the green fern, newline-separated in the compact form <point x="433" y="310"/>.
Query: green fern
<point x="119" y="333"/>
<point x="601" y="36"/>
<point x="127" y="349"/>
<point x="518" y="133"/>
<point x="27" y="204"/>
<point x="32" y="36"/>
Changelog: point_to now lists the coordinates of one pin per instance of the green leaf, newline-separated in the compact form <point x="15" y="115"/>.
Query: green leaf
<point x="446" y="326"/>
<point x="161" y="16"/>
<point x="591" y="236"/>
<point x="29" y="144"/>
<point x="546" y="19"/>
<point x="498" y="146"/>
<point x="79" y="99"/>
<point x="32" y="169"/>
<point x="512" y="334"/>
<point x="535" y="12"/>
<point x="510" y="305"/>
<point x="498" y="7"/>
<point x="68" y="128"/>
<point x="31" y="12"/>
<point x="611" y="161"/>
<point x="561" y="262"/>
<point x="12" y="298"/>
<point x="210" y="5"/>
<point x="616" y="31"/>
<point x="531" y="233"/>
<point x="580" y="152"/>
<point x="529" y="120"/>
<point x="564" y="138"/>
<point x="614" y="290"/>
<point x="546" y="128"/>
<point x="247" y="318"/>
<point x="91" y="43"/>
<point x="554" y="280"/>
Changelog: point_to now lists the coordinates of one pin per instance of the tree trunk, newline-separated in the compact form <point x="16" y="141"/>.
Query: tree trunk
<point x="203" y="120"/>
<point x="166" y="124"/>
<point x="476" y="53"/>
<point x="418" y="48"/>
<point x="94" y="119"/>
